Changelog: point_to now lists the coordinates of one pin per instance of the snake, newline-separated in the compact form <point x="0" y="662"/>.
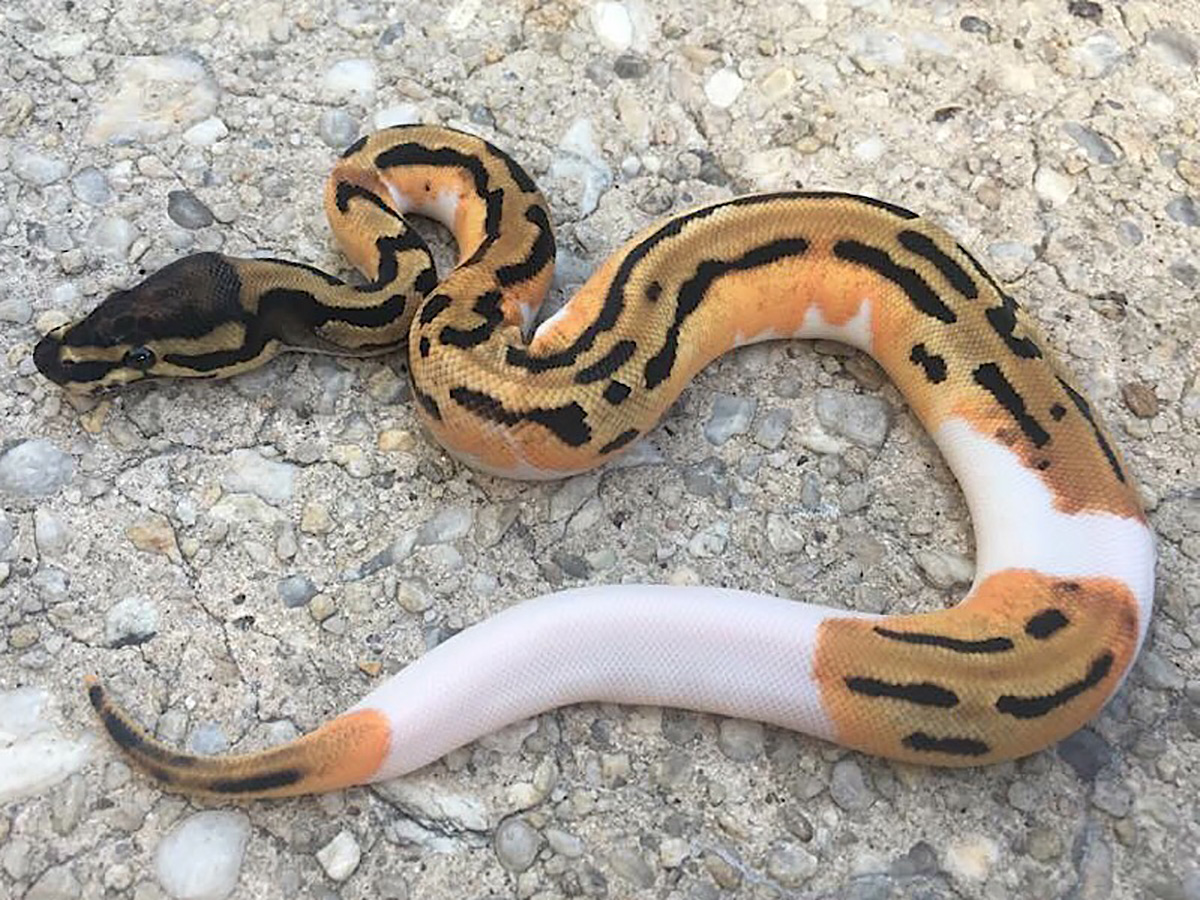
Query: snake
<point x="1064" y="575"/>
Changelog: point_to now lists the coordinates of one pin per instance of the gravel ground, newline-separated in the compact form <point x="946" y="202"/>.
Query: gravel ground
<point x="241" y="560"/>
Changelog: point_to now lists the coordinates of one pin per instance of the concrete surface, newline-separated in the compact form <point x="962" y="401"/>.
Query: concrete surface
<point x="203" y="546"/>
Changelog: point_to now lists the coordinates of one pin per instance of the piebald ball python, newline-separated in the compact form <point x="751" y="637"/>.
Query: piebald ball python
<point x="1065" y="570"/>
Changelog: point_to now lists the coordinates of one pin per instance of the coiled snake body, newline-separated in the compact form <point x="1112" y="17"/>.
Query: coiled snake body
<point x="1064" y="578"/>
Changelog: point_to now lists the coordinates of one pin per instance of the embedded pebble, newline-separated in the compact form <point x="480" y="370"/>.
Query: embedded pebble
<point x="971" y="858"/>
<point x="91" y="186"/>
<point x="772" y="428"/>
<point x="1093" y="143"/>
<point x="945" y="568"/>
<point x="133" y="620"/>
<point x="33" y="757"/>
<point x="730" y="415"/>
<point x="1085" y="752"/>
<point x="741" y="739"/>
<point x="723" y="88"/>
<point x="35" y="468"/>
<point x="579" y="158"/>
<point x="516" y="844"/>
<point x="337" y="128"/>
<point x="155" y="95"/>
<point x="1053" y="186"/>
<point x="791" y="865"/>
<point x="187" y="211"/>
<point x="350" y="79"/>
<point x="16" y="309"/>
<point x="1098" y="54"/>
<point x="1141" y="399"/>
<point x="58" y="883"/>
<point x="848" y="786"/>
<point x="860" y="418"/>
<point x="39" y="170"/>
<point x="1173" y="47"/>
<point x="50" y="533"/>
<point x="248" y="471"/>
<point x="296" y="590"/>
<point x="206" y="133"/>
<point x="1184" y="210"/>
<point x="340" y="857"/>
<point x="112" y="236"/>
<point x="631" y="866"/>
<point x="613" y="25"/>
<point x="872" y="49"/>
<point x="446" y="526"/>
<point x="201" y="857"/>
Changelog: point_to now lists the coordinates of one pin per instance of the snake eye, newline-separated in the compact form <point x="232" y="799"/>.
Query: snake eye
<point x="140" y="358"/>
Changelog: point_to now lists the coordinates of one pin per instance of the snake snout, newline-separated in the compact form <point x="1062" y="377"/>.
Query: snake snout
<point x="47" y="356"/>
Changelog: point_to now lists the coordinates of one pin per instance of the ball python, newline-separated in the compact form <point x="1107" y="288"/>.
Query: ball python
<point x="1065" y="558"/>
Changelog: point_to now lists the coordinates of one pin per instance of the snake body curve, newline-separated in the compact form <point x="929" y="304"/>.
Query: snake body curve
<point x="1065" y="559"/>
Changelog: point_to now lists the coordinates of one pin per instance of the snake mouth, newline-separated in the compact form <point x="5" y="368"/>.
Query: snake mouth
<point x="85" y="377"/>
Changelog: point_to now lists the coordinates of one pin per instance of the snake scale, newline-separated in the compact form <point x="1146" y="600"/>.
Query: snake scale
<point x="1065" y="559"/>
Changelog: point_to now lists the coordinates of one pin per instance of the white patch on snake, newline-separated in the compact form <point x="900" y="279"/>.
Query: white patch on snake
<point x="441" y="207"/>
<point x="1017" y="526"/>
<point x="551" y="322"/>
<point x="856" y="331"/>
<point x="733" y="653"/>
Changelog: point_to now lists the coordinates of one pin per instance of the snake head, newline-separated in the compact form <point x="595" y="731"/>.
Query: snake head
<point x="151" y="330"/>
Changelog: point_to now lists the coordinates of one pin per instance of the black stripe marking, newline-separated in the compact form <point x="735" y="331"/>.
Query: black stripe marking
<point x="388" y="247"/>
<point x="608" y="364"/>
<point x="925" y="247"/>
<point x="427" y="402"/>
<point x="1003" y="319"/>
<point x="958" y="645"/>
<point x="486" y="305"/>
<point x="1046" y="623"/>
<point x="126" y="737"/>
<point x="423" y="347"/>
<point x="923" y="693"/>
<point x="917" y="289"/>
<point x="355" y="147"/>
<point x="983" y="273"/>
<point x="253" y="783"/>
<point x="1035" y="707"/>
<point x="653" y="291"/>
<point x="1085" y="410"/>
<point x="933" y="364"/>
<point x="433" y="307"/>
<point x="568" y="423"/>
<point x="619" y="441"/>
<point x="693" y="291"/>
<point x="425" y="282"/>
<point x="346" y="191"/>
<point x="990" y="378"/>
<point x="540" y="254"/>
<point x="1057" y="411"/>
<point x="955" y="746"/>
<point x="515" y="172"/>
<point x="616" y="392"/>
<point x="614" y="300"/>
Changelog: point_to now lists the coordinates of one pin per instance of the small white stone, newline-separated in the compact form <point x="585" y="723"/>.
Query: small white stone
<point x="130" y="621"/>
<point x="352" y="79"/>
<point x="613" y="25"/>
<point x="206" y="133"/>
<point x="401" y="114"/>
<point x="340" y="857"/>
<point x="34" y="468"/>
<point x="723" y="88"/>
<point x="249" y="472"/>
<point x="1098" y="54"/>
<point x="155" y="96"/>
<point x="202" y="856"/>
<point x="112" y="236"/>
<point x="972" y="857"/>
<point x="1053" y="186"/>
<point x="870" y="150"/>
<point x="945" y="568"/>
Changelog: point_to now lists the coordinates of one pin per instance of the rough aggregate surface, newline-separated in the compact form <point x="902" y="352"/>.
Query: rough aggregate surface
<point x="242" y="560"/>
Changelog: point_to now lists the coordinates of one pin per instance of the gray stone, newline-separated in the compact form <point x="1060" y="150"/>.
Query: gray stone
<point x="37" y="169"/>
<point x="791" y="865"/>
<point x="340" y="857"/>
<point x="1160" y="673"/>
<point x="35" y="468"/>
<point x="516" y="843"/>
<point x="1085" y="752"/>
<point x="772" y="428"/>
<point x="730" y="415"/>
<point x="296" y="590"/>
<point x="50" y="533"/>
<point x="1093" y="143"/>
<point x="112" y="236"/>
<point x="249" y="472"/>
<point x="16" y="309"/>
<point x="1183" y="209"/>
<point x="58" y="883"/>
<point x="131" y="621"/>
<point x="631" y="866"/>
<point x="849" y="788"/>
<point x="91" y="186"/>
<point x="741" y="739"/>
<point x="860" y="418"/>
<point x="187" y="211"/>
<point x="446" y="525"/>
<point x="337" y="128"/>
